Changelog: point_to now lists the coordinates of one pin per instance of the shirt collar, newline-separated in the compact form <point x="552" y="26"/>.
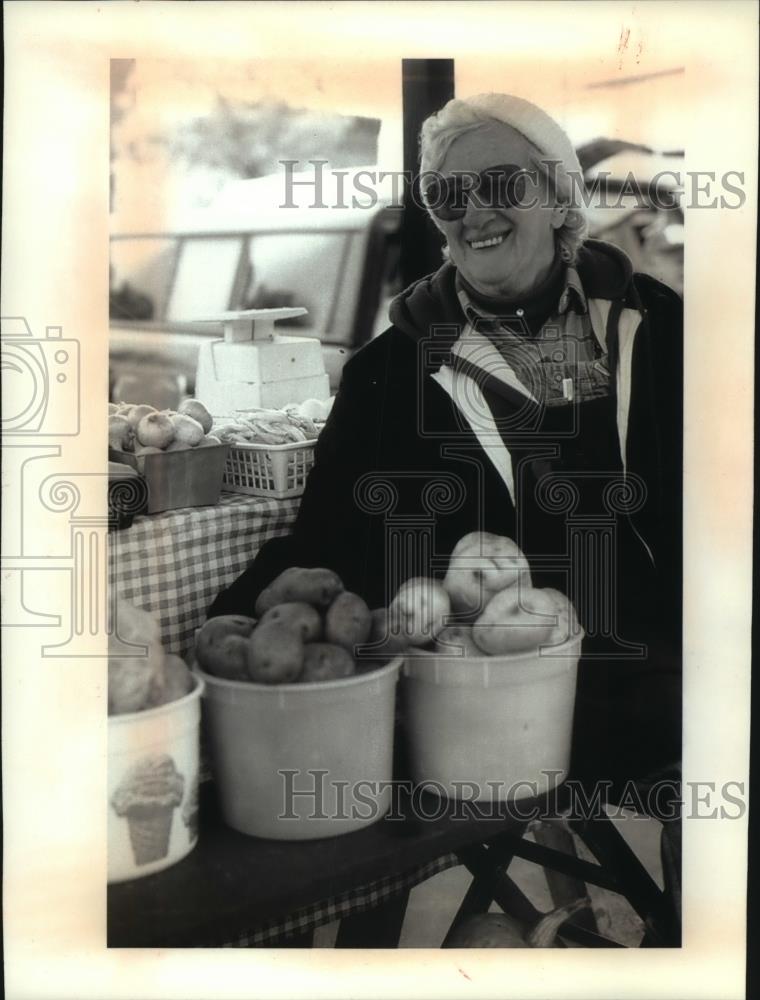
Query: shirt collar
<point x="572" y="297"/>
<point x="472" y="314"/>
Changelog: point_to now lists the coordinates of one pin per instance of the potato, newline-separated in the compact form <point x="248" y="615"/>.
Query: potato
<point x="387" y="629"/>
<point x="348" y="621"/>
<point x="318" y="587"/>
<point x="299" y="617"/>
<point x="178" y="680"/>
<point x="516" y="620"/>
<point x="418" y="609"/>
<point x="383" y="643"/>
<point x="488" y="930"/>
<point x="457" y="640"/>
<point x="481" y="565"/>
<point x="221" y="646"/>
<point x="132" y="684"/>
<point x="275" y="654"/>
<point x="135" y="670"/>
<point x="326" y="662"/>
<point x="567" y="623"/>
<point x="230" y="658"/>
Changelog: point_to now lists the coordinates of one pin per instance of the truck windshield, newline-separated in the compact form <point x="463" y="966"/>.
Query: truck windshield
<point x="172" y="279"/>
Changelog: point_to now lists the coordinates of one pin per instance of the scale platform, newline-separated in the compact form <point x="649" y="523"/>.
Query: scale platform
<point x="253" y="365"/>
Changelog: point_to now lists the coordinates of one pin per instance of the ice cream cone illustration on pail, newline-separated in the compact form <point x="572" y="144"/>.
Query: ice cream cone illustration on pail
<point x="147" y="796"/>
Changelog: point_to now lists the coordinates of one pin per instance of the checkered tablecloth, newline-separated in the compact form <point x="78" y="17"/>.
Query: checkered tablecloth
<point x="174" y="564"/>
<point x="357" y="900"/>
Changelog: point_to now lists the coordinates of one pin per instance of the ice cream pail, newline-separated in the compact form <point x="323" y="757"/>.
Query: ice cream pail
<point x="153" y="759"/>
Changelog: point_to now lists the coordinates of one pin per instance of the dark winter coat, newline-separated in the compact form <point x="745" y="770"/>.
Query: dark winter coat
<point x="400" y="476"/>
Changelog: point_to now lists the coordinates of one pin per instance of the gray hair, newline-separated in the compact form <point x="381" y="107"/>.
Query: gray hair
<point x="457" y="118"/>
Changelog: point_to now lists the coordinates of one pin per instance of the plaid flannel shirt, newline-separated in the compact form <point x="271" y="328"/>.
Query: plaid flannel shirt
<point x="563" y="361"/>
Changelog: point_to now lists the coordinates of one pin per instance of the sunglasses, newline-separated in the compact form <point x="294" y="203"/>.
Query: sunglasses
<point x="501" y="186"/>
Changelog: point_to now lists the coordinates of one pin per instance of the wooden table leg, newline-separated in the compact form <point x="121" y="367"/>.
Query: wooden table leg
<point x="379" y="927"/>
<point x="635" y="883"/>
<point x="477" y="900"/>
<point x="479" y="896"/>
<point x="564" y="888"/>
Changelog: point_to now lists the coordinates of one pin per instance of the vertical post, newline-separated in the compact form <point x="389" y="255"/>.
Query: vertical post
<point x="120" y="71"/>
<point x="427" y="84"/>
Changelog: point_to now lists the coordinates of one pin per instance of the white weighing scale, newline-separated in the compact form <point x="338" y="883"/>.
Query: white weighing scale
<point x="254" y="366"/>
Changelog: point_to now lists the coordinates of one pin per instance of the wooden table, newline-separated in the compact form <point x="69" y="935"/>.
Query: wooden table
<point x="239" y="890"/>
<point x="232" y="882"/>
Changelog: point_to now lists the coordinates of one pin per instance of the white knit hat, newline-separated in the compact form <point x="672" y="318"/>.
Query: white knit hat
<point x="529" y="120"/>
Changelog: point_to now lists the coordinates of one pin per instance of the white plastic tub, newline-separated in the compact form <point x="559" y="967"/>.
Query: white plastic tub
<point x="491" y="727"/>
<point x="153" y="761"/>
<point x="331" y="741"/>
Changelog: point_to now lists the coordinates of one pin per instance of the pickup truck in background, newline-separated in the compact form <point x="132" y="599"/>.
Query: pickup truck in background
<point x="340" y="263"/>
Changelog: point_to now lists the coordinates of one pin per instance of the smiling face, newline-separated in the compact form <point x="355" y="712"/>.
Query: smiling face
<point x="503" y="252"/>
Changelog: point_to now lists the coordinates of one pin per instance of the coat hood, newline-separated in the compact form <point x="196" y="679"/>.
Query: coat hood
<point x="605" y="272"/>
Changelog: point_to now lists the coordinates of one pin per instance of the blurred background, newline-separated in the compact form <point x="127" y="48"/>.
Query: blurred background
<point x="196" y="184"/>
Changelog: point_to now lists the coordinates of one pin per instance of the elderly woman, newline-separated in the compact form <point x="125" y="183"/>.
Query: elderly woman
<point x="531" y="387"/>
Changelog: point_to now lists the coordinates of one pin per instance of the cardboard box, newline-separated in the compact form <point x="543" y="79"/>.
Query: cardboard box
<point x="189" y="478"/>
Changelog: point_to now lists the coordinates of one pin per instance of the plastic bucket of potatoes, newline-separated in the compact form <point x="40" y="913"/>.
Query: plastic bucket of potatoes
<point x="491" y="727"/>
<point x="299" y="729"/>
<point x="304" y="760"/>
<point x="490" y="676"/>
